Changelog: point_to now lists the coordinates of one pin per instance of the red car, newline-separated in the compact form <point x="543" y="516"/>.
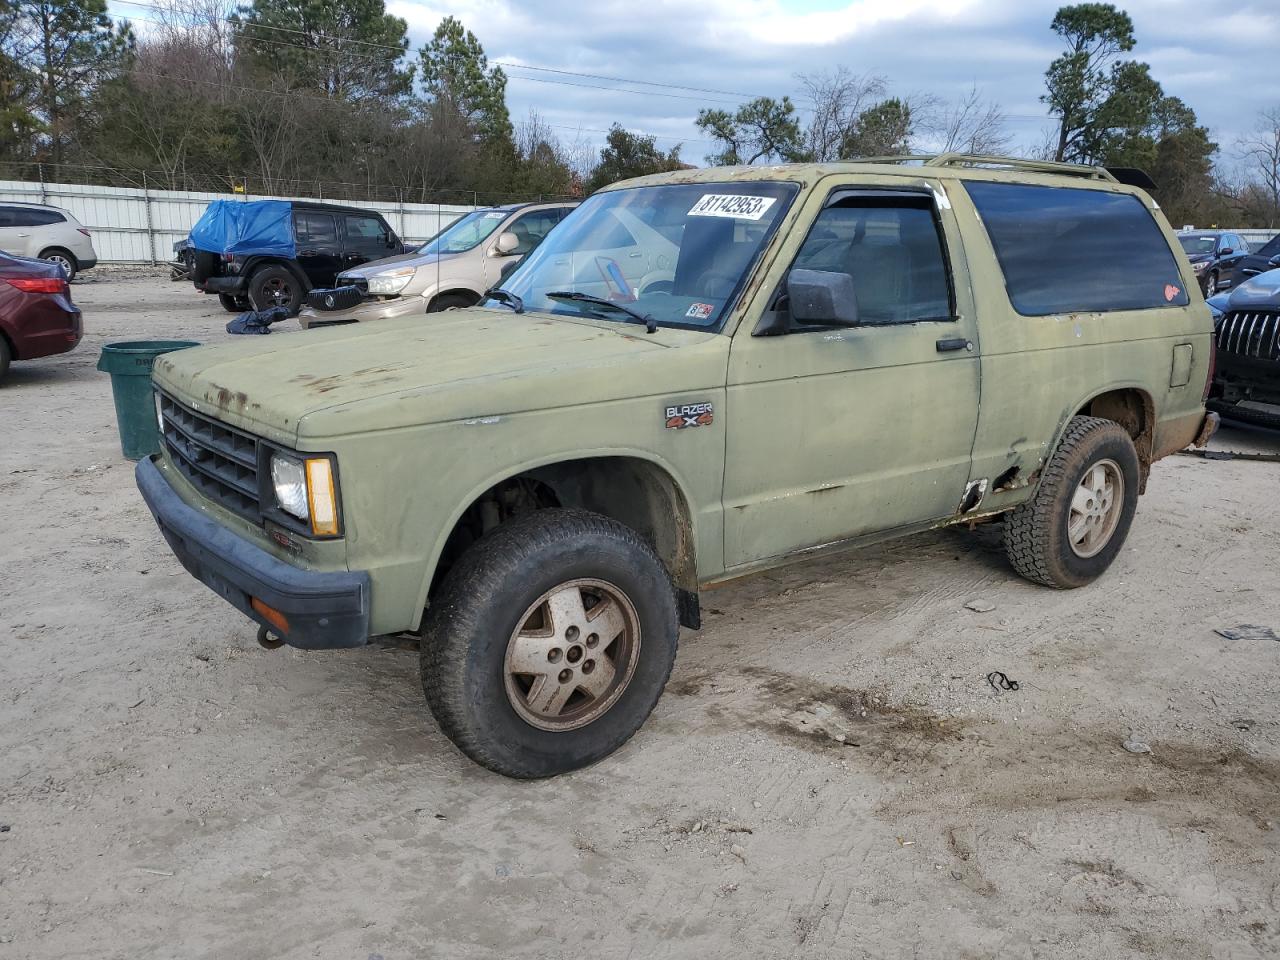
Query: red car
<point x="37" y="317"/>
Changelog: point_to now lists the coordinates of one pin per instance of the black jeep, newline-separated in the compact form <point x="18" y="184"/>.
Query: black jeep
<point x="268" y="253"/>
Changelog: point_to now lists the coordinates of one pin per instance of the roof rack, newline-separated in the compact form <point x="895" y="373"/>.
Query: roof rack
<point x="977" y="160"/>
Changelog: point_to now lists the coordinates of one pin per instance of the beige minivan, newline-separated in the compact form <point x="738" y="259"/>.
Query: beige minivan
<point x="454" y="269"/>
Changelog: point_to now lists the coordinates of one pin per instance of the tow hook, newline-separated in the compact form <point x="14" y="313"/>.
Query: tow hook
<point x="268" y="640"/>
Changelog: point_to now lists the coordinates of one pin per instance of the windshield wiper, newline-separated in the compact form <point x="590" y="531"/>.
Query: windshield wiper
<point x="507" y="298"/>
<point x="650" y="324"/>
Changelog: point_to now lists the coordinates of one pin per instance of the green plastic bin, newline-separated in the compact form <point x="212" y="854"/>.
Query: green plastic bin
<point x="130" y="367"/>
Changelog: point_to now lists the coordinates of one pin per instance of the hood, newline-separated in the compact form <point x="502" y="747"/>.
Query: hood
<point x="413" y="259"/>
<point x="456" y="365"/>
<point x="1199" y="257"/>
<point x="1257" y="293"/>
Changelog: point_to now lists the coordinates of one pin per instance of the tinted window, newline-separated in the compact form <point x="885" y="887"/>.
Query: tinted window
<point x="368" y="234"/>
<point x="315" y="229"/>
<point x="892" y="249"/>
<point x="1065" y="250"/>
<point x="29" y="217"/>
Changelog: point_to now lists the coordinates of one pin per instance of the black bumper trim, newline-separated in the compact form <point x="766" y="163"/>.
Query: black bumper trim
<point x="325" y="610"/>
<point x="232" y="286"/>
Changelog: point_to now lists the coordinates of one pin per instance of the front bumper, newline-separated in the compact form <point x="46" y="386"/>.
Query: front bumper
<point x="323" y="610"/>
<point x="373" y="308"/>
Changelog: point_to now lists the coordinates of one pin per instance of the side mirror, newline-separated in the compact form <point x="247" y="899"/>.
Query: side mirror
<point x="507" y="243"/>
<point x="822" y="298"/>
<point x="1225" y="252"/>
<point x="1275" y="261"/>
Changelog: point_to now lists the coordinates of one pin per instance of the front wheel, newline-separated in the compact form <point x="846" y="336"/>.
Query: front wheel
<point x="1210" y="284"/>
<point x="1068" y="533"/>
<point x="450" y="301"/>
<point x="549" y="643"/>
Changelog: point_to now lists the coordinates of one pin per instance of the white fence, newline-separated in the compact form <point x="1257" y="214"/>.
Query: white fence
<point x="1254" y="238"/>
<point x="130" y="225"/>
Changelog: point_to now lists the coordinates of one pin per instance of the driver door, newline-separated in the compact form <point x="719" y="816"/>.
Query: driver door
<point x="841" y="433"/>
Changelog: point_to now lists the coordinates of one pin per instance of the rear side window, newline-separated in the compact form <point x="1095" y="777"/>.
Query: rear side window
<point x="29" y="217"/>
<point x="1065" y="250"/>
<point x="315" y="229"/>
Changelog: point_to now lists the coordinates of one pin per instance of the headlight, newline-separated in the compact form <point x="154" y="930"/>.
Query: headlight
<point x="392" y="281"/>
<point x="290" y="479"/>
<point x="305" y="489"/>
<point x="1199" y="267"/>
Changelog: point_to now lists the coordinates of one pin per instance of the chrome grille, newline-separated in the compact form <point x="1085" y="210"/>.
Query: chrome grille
<point x="220" y="461"/>
<point x="1250" y="333"/>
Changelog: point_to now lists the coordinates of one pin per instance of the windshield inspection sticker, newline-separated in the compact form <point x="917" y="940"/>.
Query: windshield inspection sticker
<point x="733" y="205"/>
<point x="495" y="215"/>
<point x="688" y="415"/>
<point x="699" y="311"/>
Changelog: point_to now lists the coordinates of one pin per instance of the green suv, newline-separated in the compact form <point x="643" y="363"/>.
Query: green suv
<point x="698" y="375"/>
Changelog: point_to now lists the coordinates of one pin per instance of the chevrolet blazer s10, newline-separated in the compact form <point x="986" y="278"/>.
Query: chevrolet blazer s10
<point x="698" y="375"/>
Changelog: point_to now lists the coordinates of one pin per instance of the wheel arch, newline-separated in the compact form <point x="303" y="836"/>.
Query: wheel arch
<point x="633" y="488"/>
<point x="474" y="295"/>
<point x="254" y="264"/>
<point x="54" y="248"/>
<point x="1130" y="405"/>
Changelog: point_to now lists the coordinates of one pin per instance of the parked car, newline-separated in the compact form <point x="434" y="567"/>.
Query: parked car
<point x="37" y="317"/>
<point x="1216" y="256"/>
<point x="1246" y="380"/>
<point x="454" y="269"/>
<point x="269" y="253"/>
<point x="817" y="356"/>
<point x="1266" y="257"/>
<point x="46" y="233"/>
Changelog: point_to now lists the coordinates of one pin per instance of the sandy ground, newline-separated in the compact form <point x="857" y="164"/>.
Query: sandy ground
<point x="172" y="790"/>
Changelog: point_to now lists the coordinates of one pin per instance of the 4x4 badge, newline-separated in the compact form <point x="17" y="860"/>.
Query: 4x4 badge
<point x="689" y="415"/>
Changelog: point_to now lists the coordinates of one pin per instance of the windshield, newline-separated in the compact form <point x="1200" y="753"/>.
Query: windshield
<point x="465" y="233"/>
<point x="1193" y="245"/>
<point x="677" y="254"/>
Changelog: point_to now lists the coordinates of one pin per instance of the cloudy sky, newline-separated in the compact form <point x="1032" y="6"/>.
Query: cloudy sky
<point x="1217" y="57"/>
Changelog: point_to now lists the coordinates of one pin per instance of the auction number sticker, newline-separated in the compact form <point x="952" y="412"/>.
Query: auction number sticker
<point x="736" y="206"/>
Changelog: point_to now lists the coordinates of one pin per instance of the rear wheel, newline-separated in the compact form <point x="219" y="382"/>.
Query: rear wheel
<point x="63" y="258"/>
<point x="233" y="304"/>
<point x="1069" y="532"/>
<point x="275" y="287"/>
<point x="549" y="643"/>
<point x="6" y="355"/>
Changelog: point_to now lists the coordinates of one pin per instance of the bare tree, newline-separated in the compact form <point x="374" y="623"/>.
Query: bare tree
<point x="1262" y="152"/>
<point x="839" y="97"/>
<point x="973" y="125"/>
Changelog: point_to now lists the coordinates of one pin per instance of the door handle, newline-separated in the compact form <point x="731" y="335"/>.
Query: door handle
<point x="953" y="343"/>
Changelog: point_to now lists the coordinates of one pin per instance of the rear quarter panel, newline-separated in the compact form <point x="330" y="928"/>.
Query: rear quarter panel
<point x="1039" y="372"/>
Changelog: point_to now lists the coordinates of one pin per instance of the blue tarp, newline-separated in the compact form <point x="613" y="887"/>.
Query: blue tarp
<point x="244" y="227"/>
